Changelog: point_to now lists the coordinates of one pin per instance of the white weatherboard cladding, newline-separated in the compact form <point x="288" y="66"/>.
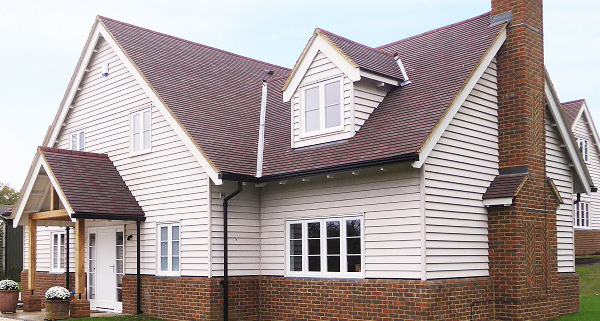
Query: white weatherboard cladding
<point x="366" y="98"/>
<point x="582" y="130"/>
<point x="389" y="201"/>
<point x="457" y="172"/>
<point x="322" y="68"/>
<point x="243" y="229"/>
<point x="168" y="182"/>
<point x="557" y="168"/>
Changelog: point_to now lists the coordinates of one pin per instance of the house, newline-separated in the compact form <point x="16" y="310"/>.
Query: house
<point x="587" y="228"/>
<point x="429" y="178"/>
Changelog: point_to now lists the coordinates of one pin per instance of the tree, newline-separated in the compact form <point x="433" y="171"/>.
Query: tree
<point x="8" y="195"/>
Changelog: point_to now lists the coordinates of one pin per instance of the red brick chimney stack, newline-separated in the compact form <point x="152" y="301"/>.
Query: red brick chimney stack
<point x="522" y="237"/>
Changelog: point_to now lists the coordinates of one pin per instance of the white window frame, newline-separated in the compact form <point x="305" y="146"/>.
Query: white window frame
<point x="584" y="147"/>
<point x="582" y="215"/>
<point x="143" y="149"/>
<point x="169" y="271"/>
<point x="79" y="143"/>
<point x="61" y="252"/>
<point x="322" y="130"/>
<point x="323" y="253"/>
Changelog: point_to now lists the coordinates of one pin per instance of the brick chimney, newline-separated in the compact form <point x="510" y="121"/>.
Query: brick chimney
<point x="522" y="237"/>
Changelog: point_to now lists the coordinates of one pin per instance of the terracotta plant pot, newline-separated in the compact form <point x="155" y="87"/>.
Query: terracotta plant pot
<point x="57" y="309"/>
<point x="9" y="300"/>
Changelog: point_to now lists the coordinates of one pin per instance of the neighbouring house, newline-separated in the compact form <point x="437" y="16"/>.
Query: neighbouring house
<point x="11" y="246"/>
<point x="587" y="221"/>
<point x="428" y="178"/>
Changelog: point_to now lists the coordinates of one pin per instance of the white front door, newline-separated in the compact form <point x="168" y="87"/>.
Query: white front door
<point x="105" y="268"/>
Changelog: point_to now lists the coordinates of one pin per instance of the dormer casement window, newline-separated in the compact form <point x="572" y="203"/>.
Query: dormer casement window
<point x="584" y="148"/>
<point x="322" y="108"/>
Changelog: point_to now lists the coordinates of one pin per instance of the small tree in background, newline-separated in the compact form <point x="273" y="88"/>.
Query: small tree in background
<point x="8" y="195"/>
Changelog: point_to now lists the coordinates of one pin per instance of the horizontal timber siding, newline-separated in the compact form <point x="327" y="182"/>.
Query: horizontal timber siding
<point x="457" y="173"/>
<point x="582" y="129"/>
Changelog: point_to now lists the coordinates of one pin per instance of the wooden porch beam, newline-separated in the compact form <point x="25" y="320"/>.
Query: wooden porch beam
<point x="55" y="215"/>
<point x="32" y="255"/>
<point x="80" y="289"/>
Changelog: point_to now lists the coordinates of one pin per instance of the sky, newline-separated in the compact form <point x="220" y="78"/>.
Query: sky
<point x="40" y="43"/>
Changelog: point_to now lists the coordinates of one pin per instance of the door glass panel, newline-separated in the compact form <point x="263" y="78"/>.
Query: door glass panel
<point x="92" y="267"/>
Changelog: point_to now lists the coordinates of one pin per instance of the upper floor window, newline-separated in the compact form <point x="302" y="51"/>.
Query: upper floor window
<point x="141" y="131"/>
<point x="322" y="108"/>
<point x="583" y="146"/>
<point x="58" y="252"/>
<point x="168" y="247"/>
<point x="325" y="247"/>
<point x="78" y="140"/>
<point x="582" y="214"/>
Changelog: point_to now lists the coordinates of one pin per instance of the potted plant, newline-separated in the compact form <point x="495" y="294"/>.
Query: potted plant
<point x="9" y="296"/>
<point x="57" y="303"/>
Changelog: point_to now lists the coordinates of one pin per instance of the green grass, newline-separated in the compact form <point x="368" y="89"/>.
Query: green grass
<point x="120" y="318"/>
<point x="589" y="279"/>
<point x="590" y="309"/>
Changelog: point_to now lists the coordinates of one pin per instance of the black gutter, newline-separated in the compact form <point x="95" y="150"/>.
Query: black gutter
<point x="114" y="217"/>
<point x="578" y="199"/>
<point x="139" y="276"/>
<point x="318" y="171"/>
<point x="67" y="236"/>
<point x="225" y="282"/>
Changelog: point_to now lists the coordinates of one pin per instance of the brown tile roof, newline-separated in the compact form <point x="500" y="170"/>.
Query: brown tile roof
<point x="91" y="183"/>
<point x="372" y="59"/>
<point x="505" y="185"/>
<point x="216" y="96"/>
<point x="571" y="109"/>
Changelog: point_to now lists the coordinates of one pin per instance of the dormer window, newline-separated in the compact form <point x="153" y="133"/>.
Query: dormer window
<point x="322" y="108"/>
<point x="583" y="147"/>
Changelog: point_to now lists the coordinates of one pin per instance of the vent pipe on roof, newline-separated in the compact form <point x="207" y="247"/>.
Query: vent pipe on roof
<point x="261" y="130"/>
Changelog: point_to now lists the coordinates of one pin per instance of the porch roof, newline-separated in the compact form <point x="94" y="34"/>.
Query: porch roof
<point x="91" y="184"/>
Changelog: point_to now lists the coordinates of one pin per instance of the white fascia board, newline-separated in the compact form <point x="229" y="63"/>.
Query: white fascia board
<point x="57" y="188"/>
<point x="502" y="201"/>
<point x="566" y="136"/>
<point x="591" y="126"/>
<point x="319" y="44"/>
<point x="439" y="130"/>
<point x="376" y="77"/>
<point x="26" y="190"/>
<point x="97" y="31"/>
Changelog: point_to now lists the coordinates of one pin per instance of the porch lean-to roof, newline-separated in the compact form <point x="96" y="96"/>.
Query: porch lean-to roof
<point x="91" y="184"/>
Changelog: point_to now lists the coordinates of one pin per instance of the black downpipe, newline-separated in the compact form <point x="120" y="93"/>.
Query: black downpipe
<point x="67" y="237"/>
<point x="578" y="198"/>
<point x="225" y="282"/>
<point x="139" y="276"/>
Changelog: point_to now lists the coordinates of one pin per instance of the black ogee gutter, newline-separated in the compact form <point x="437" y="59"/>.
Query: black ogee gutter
<point x="67" y="257"/>
<point x="225" y="282"/>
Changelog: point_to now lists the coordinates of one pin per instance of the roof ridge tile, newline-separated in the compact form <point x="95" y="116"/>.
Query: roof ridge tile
<point x="434" y="30"/>
<point x="191" y="42"/>
<point x="71" y="152"/>
<point x="354" y="42"/>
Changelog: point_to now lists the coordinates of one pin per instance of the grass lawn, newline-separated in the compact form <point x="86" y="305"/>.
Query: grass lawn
<point x="589" y="289"/>
<point x="120" y="318"/>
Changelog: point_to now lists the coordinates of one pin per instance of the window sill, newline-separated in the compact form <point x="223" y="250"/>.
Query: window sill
<point x="58" y="271"/>
<point x="324" y="276"/>
<point x="166" y="274"/>
<point x="147" y="151"/>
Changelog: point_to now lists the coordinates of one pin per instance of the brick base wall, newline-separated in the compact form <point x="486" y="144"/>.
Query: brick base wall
<point x="44" y="281"/>
<point x="587" y="242"/>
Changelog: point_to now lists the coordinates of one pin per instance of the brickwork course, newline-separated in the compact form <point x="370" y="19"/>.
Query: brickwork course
<point x="587" y="242"/>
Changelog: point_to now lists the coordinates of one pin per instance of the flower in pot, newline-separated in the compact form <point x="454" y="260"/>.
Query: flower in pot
<point x="57" y="303"/>
<point x="9" y="296"/>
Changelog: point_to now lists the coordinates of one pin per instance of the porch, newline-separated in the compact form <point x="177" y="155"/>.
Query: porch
<point x="84" y="192"/>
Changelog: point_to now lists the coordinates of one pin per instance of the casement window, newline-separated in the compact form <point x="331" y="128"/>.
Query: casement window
<point x="58" y="256"/>
<point x="583" y="147"/>
<point x="141" y="131"/>
<point x="331" y="247"/>
<point x="582" y="214"/>
<point x="77" y="140"/>
<point x="321" y="107"/>
<point x="169" y="249"/>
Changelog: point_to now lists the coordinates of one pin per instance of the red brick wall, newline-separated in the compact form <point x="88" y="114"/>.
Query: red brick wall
<point x="278" y="298"/>
<point x="44" y="281"/>
<point x="587" y="242"/>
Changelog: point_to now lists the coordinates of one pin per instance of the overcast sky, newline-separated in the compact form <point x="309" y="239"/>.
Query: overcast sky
<point x="40" y="42"/>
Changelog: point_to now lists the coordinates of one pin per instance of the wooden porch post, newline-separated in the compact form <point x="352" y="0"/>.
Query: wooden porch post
<point x="80" y="288"/>
<point x="32" y="255"/>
